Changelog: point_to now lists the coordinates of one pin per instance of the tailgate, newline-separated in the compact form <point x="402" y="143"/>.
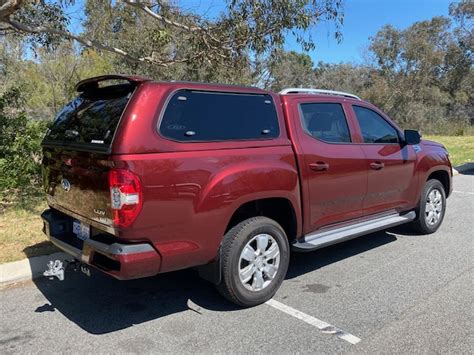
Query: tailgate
<point x="78" y="182"/>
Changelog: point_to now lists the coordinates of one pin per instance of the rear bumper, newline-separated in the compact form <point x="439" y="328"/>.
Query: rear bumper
<point x="122" y="261"/>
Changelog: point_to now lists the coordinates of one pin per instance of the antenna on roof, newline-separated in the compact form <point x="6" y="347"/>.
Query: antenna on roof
<point x="317" y="91"/>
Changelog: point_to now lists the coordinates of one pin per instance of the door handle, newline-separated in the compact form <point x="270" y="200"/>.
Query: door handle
<point x="377" y="165"/>
<point x="319" y="166"/>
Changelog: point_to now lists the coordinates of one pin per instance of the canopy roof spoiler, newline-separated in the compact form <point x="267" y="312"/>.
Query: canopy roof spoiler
<point x="317" y="91"/>
<point x="93" y="83"/>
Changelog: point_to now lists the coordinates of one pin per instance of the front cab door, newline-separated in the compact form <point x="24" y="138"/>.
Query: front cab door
<point x="390" y="162"/>
<point x="333" y="170"/>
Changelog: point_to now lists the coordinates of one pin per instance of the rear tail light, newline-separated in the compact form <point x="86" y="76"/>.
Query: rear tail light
<point x="125" y="195"/>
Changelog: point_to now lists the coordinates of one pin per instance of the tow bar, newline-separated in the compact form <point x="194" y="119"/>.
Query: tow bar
<point x="57" y="268"/>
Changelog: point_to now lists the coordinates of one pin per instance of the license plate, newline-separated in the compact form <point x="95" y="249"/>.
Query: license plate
<point x="81" y="230"/>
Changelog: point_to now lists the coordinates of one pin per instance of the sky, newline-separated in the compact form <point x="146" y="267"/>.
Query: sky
<point x="362" y="19"/>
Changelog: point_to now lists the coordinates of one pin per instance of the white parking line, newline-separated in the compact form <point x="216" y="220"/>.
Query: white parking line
<point x="315" y="322"/>
<point x="464" y="192"/>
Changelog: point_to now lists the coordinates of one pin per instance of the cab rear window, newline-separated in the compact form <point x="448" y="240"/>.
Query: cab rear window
<point x="90" y="120"/>
<point x="216" y="116"/>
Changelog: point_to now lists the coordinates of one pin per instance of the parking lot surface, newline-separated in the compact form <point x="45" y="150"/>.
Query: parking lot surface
<point x="387" y="292"/>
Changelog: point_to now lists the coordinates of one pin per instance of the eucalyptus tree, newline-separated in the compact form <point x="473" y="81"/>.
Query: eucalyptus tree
<point x="165" y="34"/>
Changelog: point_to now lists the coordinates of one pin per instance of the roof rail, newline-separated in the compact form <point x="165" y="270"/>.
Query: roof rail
<point x="317" y="91"/>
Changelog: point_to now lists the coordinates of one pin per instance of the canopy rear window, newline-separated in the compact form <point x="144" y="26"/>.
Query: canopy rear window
<point x="90" y="120"/>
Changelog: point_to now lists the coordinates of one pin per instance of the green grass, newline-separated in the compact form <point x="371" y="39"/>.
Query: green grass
<point x="460" y="148"/>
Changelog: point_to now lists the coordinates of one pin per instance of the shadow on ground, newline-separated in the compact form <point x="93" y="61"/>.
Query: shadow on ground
<point x="100" y="304"/>
<point x="468" y="172"/>
<point x="41" y="248"/>
<point x="466" y="169"/>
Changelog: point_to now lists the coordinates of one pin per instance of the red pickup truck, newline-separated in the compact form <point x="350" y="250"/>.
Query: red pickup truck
<point x="146" y="177"/>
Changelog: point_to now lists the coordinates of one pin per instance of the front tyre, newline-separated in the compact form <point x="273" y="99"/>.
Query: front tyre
<point x="432" y="207"/>
<point x="254" y="258"/>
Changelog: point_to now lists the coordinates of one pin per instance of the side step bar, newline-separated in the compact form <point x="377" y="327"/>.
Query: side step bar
<point x="322" y="239"/>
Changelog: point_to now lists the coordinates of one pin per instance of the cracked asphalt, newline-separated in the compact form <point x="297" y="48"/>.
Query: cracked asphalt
<point x="396" y="291"/>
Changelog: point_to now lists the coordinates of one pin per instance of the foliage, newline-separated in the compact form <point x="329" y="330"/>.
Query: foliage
<point x="165" y="35"/>
<point x="47" y="82"/>
<point x="289" y="69"/>
<point x="38" y="12"/>
<point x="344" y="77"/>
<point x="20" y="140"/>
<point x="424" y="73"/>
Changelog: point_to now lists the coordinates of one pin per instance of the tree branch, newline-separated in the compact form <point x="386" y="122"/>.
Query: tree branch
<point x="88" y="43"/>
<point x="8" y="7"/>
<point x="138" y="4"/>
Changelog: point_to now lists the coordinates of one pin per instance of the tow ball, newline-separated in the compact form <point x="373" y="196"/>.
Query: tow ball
<point x="57" y="268"/>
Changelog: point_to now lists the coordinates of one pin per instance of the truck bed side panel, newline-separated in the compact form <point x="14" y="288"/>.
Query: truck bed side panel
<point x="190" y="197"/>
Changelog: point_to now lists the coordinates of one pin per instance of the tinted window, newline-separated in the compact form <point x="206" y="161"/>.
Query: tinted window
<point x="374" y="128"/>
<point x="90" y="119"/>
<point x="326" y="122"/>
<point x="211" y="116"/>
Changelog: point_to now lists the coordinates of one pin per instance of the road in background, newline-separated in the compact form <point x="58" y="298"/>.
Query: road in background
<point x="395" y="291"/>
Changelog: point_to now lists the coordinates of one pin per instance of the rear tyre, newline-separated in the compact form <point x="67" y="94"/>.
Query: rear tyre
<point x="432" y="208"/>
<point x="254" y="258"/>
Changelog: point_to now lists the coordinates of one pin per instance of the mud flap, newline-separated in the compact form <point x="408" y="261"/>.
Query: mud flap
<point x="211" y="272"/>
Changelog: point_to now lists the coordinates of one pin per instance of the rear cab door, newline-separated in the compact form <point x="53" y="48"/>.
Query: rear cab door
<point x="390" y="163"/>
<point x="333" y="169"/>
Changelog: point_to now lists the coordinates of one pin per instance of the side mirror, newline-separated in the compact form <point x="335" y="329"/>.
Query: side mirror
<point x="412" y="136"/>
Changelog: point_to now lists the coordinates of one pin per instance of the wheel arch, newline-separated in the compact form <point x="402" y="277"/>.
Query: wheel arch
<point x="442" y="176"/>
<point x="279" y="209"/>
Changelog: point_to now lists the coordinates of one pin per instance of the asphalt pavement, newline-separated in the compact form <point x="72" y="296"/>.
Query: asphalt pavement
<point x="387" y="292"/>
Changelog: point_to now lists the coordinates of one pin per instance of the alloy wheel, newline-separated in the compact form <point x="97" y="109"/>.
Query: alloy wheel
<point x="434" y="207"/>
<point x="259" y="262"/>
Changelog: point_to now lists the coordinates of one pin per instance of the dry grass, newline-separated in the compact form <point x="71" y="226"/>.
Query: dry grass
<point x="21" y="234"/>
